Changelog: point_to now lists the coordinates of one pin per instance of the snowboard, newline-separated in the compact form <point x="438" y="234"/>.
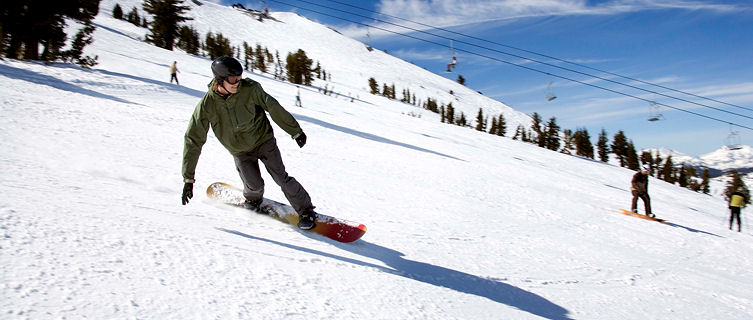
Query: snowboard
<point x="330" y="227"/>
<point x="642" y="216"/>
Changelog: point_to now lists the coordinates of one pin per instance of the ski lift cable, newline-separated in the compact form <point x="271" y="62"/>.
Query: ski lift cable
<point x="545" y="56"/>
<point x="518" y="65"/>
<point x="516" y="56"/>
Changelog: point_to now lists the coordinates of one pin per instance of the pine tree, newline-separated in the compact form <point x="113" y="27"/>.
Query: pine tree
<point x="462" y="121"/>
<point x="705" y="181"/>
<point x="217" y="46"/>
<point x="299" y="68"/>
<point x="188" y="40"/>
<point x="494" y="128"/>
<point x="690" y="176"/>
<point x="682" y="178"/>
<point x="26" y="25"/>
<point x="167" y="15"/>
<point x="647" y="159"/>
<point x="480" y="121"/>
<point x="260" y="61"/>
<point x="552" y="135"/>
<point x="461" y="80"/>
<point x="117" y="12"/>
<point x="567" y="139"/>
<point x="501" y="126"/>
<point x="82" y="39"/>
<point x="657" y="164"/>
<point x="668" y="171"/>
<point x="603" y="146"/>
<point x="539" y="137"/>
<point x="620" y="147"/>
<point x="133" y="17"/>
<point x="583" y="146"/>
<point x="373" y="86"/>
<point x="736" y="183"/>
<point x="518" y="132"/>
<point x="248" y="59"/>
<point x="632" y="157"/>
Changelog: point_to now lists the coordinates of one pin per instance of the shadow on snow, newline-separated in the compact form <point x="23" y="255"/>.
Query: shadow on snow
<point x="369" y="136"/>
<point x="435" y="275"/>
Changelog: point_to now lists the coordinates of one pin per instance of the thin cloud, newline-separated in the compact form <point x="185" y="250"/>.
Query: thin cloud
<point x="452" y="13"/>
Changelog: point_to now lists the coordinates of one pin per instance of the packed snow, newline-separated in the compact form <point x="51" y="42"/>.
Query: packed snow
<point x="461" y="224"/>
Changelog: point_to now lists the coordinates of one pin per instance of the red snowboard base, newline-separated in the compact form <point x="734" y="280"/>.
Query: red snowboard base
<point x="330" y="227"/>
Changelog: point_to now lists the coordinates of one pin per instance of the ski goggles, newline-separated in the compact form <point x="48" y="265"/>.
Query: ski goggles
<point x="233" y="80"/>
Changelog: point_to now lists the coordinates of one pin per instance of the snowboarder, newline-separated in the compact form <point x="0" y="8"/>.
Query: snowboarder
<point x="639" y="188"/>
<point x="174" y="72"/>
<point x="236" y="109"/>
<point x="736" y="202"/>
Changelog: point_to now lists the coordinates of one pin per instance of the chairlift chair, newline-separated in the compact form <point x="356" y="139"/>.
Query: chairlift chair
<point x="654" y="112"/>
<point x="733" y="140"/>
<point x="549" y="95"/>
<point x="368" y="40"/>
<point x="453" y="61"/>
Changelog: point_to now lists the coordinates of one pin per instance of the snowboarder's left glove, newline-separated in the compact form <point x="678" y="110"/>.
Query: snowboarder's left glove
<point x="187" y="192"/>
<point x="301" y="139"/>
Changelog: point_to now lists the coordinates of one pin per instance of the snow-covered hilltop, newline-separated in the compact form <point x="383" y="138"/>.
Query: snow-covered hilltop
<point x="461" y="224"/>
<point x="723" y="159"/>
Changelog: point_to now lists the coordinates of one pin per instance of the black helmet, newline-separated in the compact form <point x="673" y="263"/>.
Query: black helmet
<point x="224" y="67"/>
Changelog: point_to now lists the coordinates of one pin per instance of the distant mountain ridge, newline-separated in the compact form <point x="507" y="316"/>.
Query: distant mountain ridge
<point x="719" y="161"/>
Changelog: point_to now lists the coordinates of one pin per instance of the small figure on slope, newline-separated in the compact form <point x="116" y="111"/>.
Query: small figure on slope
<point x="639" y="188"/>
<point x="736" y="203"/>
<point x="174" y="72"/>
<point x="236" y="108"/>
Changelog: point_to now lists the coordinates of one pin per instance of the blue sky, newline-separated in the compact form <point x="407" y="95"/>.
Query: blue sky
<point x="696" y="46"/>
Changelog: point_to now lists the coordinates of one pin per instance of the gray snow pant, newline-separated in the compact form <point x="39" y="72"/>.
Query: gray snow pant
<point x="646" y="202"/>
<point x="253" y="184"/>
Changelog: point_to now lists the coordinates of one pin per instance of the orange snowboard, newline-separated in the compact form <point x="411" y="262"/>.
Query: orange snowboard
<point x="642" y="216"/>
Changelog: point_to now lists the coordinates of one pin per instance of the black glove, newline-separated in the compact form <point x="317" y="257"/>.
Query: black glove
<point x="187" y="192"/>
<point x="301" y="139"/>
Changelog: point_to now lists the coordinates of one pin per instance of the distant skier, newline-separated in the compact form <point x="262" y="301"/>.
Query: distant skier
<point x="174" y="72"/>
<point x="736" y="202"/>
<point x="298" y="98"/>
<point x="639" y="188"/>
<point x="236" y="109"/>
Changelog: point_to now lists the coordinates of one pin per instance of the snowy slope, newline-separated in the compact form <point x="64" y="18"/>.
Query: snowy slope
<point x="462" y="225"/>
<point x="348" y="61"/>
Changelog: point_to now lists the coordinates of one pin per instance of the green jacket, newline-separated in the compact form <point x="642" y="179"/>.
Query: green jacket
<point x="239" y="122"/>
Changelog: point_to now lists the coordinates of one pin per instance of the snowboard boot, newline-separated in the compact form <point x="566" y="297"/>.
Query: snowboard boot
<point x="651" y="215"/>
<point x="307" y="219"/>
<point x="255" y="205"/>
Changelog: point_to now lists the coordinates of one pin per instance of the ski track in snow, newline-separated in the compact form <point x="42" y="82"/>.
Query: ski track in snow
<point x="461" y="224"/>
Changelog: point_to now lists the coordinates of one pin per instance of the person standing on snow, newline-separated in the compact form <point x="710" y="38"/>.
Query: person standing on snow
<point x="174" y="72"/>
<point x="639" y="188"/>
<point x="736" y="202"/>
<point x="236" y="110"/>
